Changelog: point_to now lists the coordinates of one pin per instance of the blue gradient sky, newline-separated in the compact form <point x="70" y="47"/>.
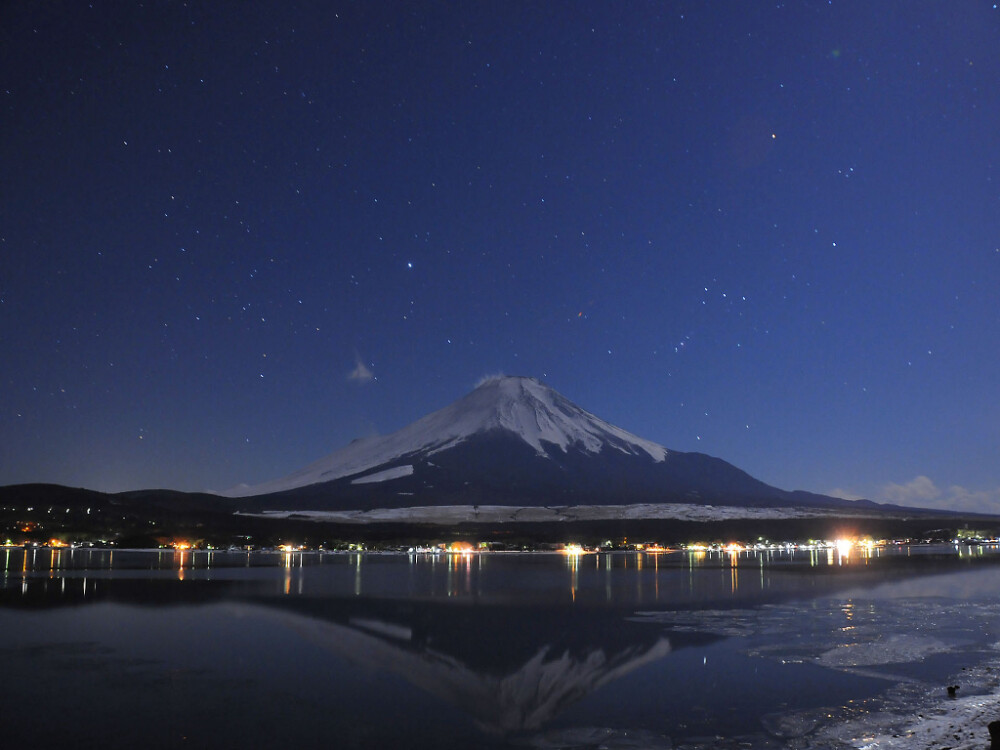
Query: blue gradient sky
<point x="236" y="235"/>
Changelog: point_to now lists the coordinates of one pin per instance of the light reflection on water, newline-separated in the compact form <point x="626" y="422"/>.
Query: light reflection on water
<point x="655" y="577"/>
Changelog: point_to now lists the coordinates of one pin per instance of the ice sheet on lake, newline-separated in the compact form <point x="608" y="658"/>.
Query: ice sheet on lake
<point x="894" y="649"/>
<point x="875" y="638"/>
<point x="960" y="724"/>
<point x="726" y="622"/>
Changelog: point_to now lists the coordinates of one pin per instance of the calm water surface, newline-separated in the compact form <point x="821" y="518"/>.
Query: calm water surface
<point x="657" y="650"/>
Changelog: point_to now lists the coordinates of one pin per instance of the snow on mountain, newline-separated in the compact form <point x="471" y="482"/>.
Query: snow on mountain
<point x="384" y="476"/>
<point x="520" y="406"/>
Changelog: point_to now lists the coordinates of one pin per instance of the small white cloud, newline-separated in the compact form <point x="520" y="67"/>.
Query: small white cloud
<point x="361" y="373"/>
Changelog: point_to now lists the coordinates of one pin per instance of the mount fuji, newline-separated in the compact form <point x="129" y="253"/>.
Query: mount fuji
<point x="514" y="441"/>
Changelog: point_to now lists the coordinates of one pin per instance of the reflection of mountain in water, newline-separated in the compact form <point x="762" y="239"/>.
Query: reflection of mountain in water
<point x="510" y="668"/>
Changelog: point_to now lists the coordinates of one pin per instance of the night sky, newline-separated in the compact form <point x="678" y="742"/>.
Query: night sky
<point x="236" y="235"/>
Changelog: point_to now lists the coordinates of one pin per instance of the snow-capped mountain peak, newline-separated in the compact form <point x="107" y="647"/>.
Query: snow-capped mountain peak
<point x="537" y="413"/>
<point x="519" y="406"/>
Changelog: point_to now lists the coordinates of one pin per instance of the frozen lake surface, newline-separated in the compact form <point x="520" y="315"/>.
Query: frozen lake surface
<point x="616" y="650"/>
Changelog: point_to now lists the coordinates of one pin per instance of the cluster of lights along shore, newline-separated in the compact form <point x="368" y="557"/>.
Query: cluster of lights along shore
<point x="841" y="549"/>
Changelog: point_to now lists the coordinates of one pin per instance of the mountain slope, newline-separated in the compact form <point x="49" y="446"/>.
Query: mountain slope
<point x="513" y="441"/>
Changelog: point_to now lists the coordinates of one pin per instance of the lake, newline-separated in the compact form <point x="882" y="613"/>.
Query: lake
<point x="770" y="649"/>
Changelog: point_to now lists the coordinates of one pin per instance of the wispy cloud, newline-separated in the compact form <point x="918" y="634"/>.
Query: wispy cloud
<point x="361" y="373"/>
<point x="489" y="378"/>
<point x="918" y="491"/>
<point x="921" y="491"/>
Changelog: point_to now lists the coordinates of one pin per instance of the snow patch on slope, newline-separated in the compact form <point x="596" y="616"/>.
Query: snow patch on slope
<point x="384" y="476"/>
